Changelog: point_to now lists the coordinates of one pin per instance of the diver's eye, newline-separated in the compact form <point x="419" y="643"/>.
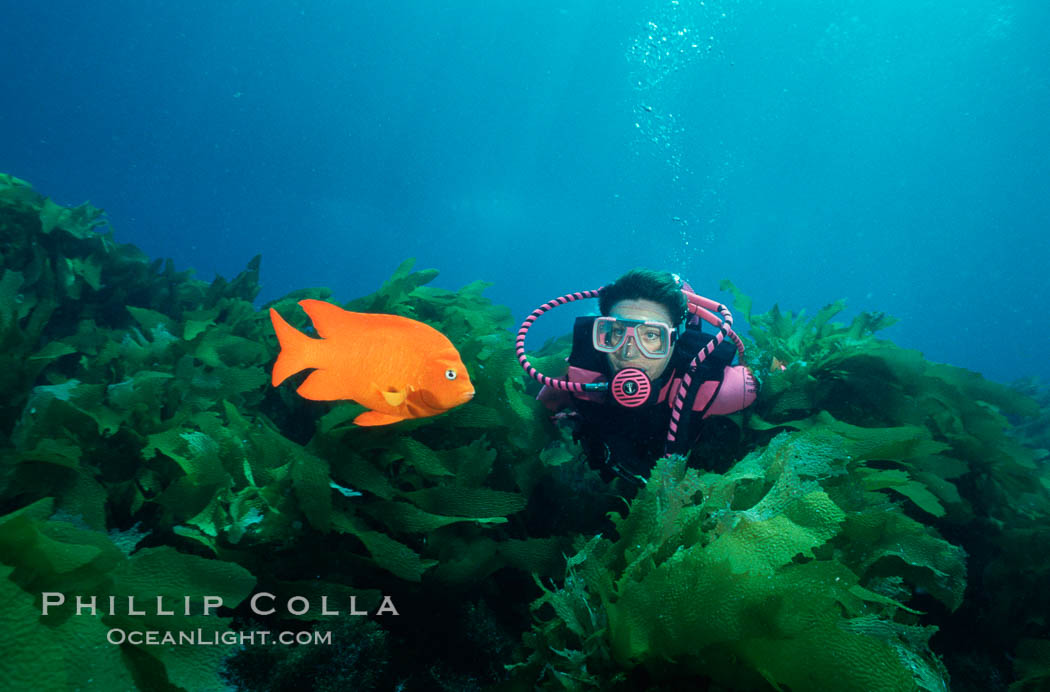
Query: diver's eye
<point x="450" y="374"/>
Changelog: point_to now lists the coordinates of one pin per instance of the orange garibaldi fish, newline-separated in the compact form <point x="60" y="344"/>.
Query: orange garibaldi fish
<point x="396" y="366"/>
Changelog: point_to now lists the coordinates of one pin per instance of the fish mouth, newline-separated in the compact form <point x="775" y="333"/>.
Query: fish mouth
<point x="429" y="400"/>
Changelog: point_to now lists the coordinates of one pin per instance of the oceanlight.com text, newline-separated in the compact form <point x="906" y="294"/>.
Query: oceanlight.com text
<point x="201" y="637"/>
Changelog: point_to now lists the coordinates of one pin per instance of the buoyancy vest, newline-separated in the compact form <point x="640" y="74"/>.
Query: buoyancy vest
<point x="717" y="388"/>
<point x="720" y="387"/>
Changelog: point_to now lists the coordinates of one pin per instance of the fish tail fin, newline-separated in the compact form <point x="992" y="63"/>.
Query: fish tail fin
<point x="294" y="349"/>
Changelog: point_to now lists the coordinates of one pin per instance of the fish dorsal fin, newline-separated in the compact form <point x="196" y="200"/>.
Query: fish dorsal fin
<point x="329" y="320"/>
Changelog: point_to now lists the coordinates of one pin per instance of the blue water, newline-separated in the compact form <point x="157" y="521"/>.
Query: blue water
<point x="894" y="153"/>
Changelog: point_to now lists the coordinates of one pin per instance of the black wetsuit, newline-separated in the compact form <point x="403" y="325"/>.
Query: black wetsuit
<point x="626" y="442"/>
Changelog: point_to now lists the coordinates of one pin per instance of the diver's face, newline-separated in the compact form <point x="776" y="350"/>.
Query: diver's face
<point x="628" y="355"/>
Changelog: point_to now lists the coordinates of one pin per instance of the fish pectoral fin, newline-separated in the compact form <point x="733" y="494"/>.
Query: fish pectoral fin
<point x="394" y="396"/>
<point x="370" y="418"/>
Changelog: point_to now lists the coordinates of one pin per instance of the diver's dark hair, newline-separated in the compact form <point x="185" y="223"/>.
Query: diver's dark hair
<point x="659" y="287"/>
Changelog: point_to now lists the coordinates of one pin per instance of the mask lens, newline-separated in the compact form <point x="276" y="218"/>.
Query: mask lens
<point x="653" y="339"/>
<point x="609" y="334"/>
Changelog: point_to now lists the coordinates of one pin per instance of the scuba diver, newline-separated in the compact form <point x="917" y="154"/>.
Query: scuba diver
<point x="643" y="376"/>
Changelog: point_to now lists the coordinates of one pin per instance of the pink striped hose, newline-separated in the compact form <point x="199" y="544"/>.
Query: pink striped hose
<point x="519" y="346"/>
<point x="704" y="308"/>
<point x="698" y="305"/>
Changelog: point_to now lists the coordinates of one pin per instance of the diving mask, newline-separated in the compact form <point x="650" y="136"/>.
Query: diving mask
<point x="653" y="339"/>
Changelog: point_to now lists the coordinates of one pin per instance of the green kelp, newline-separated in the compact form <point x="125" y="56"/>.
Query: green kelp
<point x="769" y="573"/>
<point x="143" y="452"/>
<point x="137" y="408"/>
<point x="85" y="380"/>
<point x="43" y="551"/>
<point x="984" y="485"/>
<point x="359" y="659"/>
<point x="453" y="479"/>
<point x="1034" y="431"/>
<point x="838" y="553"/>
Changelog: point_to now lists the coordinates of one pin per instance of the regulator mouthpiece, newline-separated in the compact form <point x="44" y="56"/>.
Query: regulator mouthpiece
<point x="631" y="387"/>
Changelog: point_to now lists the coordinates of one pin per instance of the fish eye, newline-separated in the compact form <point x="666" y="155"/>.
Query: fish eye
<point x="450" y="374"/>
